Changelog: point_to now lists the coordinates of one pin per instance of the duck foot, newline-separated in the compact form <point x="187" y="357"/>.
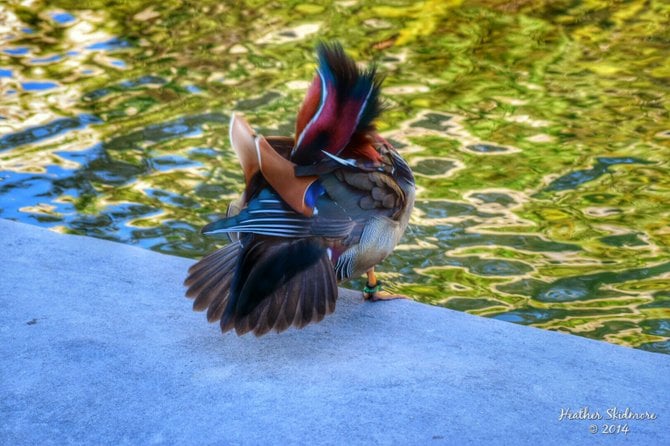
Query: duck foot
<point x="375" y="293"/>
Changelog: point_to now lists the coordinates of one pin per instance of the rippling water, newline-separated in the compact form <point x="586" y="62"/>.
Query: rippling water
<point x="539" y="133"/>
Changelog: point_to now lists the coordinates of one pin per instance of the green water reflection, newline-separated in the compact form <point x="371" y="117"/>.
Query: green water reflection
<point x="539" y="132"/>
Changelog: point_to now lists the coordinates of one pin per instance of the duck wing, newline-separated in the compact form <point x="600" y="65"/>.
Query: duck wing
<point x="264" y="283"/>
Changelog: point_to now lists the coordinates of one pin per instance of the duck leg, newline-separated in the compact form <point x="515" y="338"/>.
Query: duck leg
<point x="373" y="289"/>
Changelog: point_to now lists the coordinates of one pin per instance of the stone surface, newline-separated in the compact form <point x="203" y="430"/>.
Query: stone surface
<point x="99" y="346"/>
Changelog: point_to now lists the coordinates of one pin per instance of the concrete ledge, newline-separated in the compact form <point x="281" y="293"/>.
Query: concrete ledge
<point x="99" y="346"/>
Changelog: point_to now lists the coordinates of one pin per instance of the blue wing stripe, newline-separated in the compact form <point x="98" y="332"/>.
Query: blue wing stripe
<point x="273" y="201"/>
<point x="270" y="211"/>
<point x="267" y="215"/>
<point x="264" y="230"/>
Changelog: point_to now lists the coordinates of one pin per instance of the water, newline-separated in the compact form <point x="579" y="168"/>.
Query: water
<point x="539" y="133"/>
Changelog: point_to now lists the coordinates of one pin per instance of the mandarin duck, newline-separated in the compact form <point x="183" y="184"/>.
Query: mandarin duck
<point x="325" y="206"/>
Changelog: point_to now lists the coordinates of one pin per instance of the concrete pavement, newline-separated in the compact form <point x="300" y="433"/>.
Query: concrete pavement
<point x="98" y="346"/>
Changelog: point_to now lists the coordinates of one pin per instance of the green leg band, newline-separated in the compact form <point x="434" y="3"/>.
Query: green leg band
<point x="369" y="289"/>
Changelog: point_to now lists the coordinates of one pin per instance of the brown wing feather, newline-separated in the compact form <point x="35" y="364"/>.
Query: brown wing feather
<point x="288" y="307"/>
<point x="306" y="298"/>
<point x="209" y="280"/>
